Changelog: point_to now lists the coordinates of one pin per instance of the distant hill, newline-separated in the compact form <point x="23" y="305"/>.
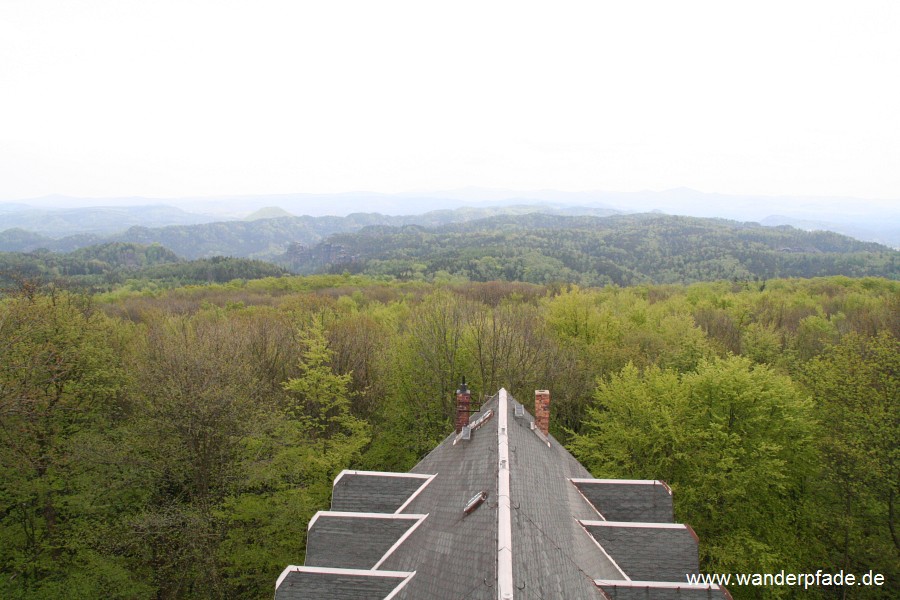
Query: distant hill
<point x="262" y="238"/>
<point x="17" y="239"/>
<point x="532" y="243"/>
<point x="623" y="249"/>
<point x="886" y="232"/>
<point x="268" y="212"/>
<point x="218" y="269"/>
<point x="115" y="262"/>
<point x="866" y="219"/>
<point x="93" y="261"/>
<point x="60" y="222"/>
<point x="125" y="255"/>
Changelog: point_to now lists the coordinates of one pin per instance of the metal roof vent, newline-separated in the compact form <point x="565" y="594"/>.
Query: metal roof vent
<point x="520" y="410"/>
<point x="466" y="433"/>
<point x="537" y="431"/>
<point x="475" y="502"/>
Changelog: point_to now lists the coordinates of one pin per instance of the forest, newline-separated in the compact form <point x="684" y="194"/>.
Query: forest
<point x="264" y="234"/>
<point x="173" y="443"/>
<point x="114" y="264"/>
<point x="514" y="243"/>
<point x="454" y="246"/>
<point x="594" y="251"/>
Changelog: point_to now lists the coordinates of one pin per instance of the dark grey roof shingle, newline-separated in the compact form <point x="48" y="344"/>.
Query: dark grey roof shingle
<point x="338" y="584"/>
<point x="648" y="552"/>
<point x="553" y="557"/>
<point x="353" y="540"/>
<point x="361" y="491"/>
<point x="644" y="590"/>
<point x="454" y="555"/>
<point x="629" y="500"/>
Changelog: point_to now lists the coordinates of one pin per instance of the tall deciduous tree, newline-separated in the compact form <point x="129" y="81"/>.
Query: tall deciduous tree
<point x="200" y="398"/>
<point x="425" y="366"/>
<point x="732" y="439"/>
<point x="510" y="347"/>
<point x="856" y="386"/>
<point x="60" y="399"/>
<point x="289" y="468"/>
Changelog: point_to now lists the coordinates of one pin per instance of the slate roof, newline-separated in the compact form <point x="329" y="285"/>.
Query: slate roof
<point x="362" y="491"/>
<point x="546" y="529"/>
<point x="355" y="540"/>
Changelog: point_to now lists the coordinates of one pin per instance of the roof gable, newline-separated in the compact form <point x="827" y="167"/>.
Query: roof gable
<point x="536" y="523"/>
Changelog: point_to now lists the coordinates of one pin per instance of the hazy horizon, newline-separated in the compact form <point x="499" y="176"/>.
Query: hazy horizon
<point x="873" y="220"/>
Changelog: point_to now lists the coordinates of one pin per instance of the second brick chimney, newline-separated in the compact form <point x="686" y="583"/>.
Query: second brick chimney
<point x="542" y="410"/>
<point x="463" y="402"/>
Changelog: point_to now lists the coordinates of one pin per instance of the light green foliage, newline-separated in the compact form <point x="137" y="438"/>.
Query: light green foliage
<point x="289" y="468"/>
<point x="60" y="385"/>
<point x="175" y="444"/>
<point x="604" y="330"/>
<point x="732" y="439"/>
<point x="761" y="343"/>
<point x="423" y="368"/>
<point x="320" y="406"/>
<point x="856" y="386"/>
<point x="814" y="334"/>
<point x="573" y="316"/>
<point x="612" y="327"/>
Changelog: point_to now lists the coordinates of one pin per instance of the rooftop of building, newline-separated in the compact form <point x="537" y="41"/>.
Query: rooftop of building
<point x="498" y="510"/>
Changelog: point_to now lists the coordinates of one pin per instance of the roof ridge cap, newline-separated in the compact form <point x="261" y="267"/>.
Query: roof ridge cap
<point x="504" y="514"/>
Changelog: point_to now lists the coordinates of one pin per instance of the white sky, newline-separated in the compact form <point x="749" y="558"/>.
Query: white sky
<point x="177" y="98"/>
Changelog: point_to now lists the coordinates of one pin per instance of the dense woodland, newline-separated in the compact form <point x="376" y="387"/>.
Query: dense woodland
<point x="255" y="237"/>
<point x="592" y="251"/>
<point x="140" y="266"/>
<point x="506" y="243"/>
<point x="173" y="444"/>
<point x="545" y="249"/>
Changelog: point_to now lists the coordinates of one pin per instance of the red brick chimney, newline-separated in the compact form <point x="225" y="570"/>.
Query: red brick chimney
<point x="463" y="402"/>
<point x="542" y="410"/>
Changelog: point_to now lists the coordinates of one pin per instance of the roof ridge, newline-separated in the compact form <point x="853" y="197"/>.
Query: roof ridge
<point x="552" y="540"/>
<point x="504" y="514"/>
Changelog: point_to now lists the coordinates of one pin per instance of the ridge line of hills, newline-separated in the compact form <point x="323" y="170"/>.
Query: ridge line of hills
<point x="261" y="237"/>
<point x="462" y="245"/>
<point x="875" y="220"/>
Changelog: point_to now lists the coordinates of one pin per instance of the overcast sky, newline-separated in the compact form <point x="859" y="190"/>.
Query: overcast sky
<point x="207" y="97"/>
